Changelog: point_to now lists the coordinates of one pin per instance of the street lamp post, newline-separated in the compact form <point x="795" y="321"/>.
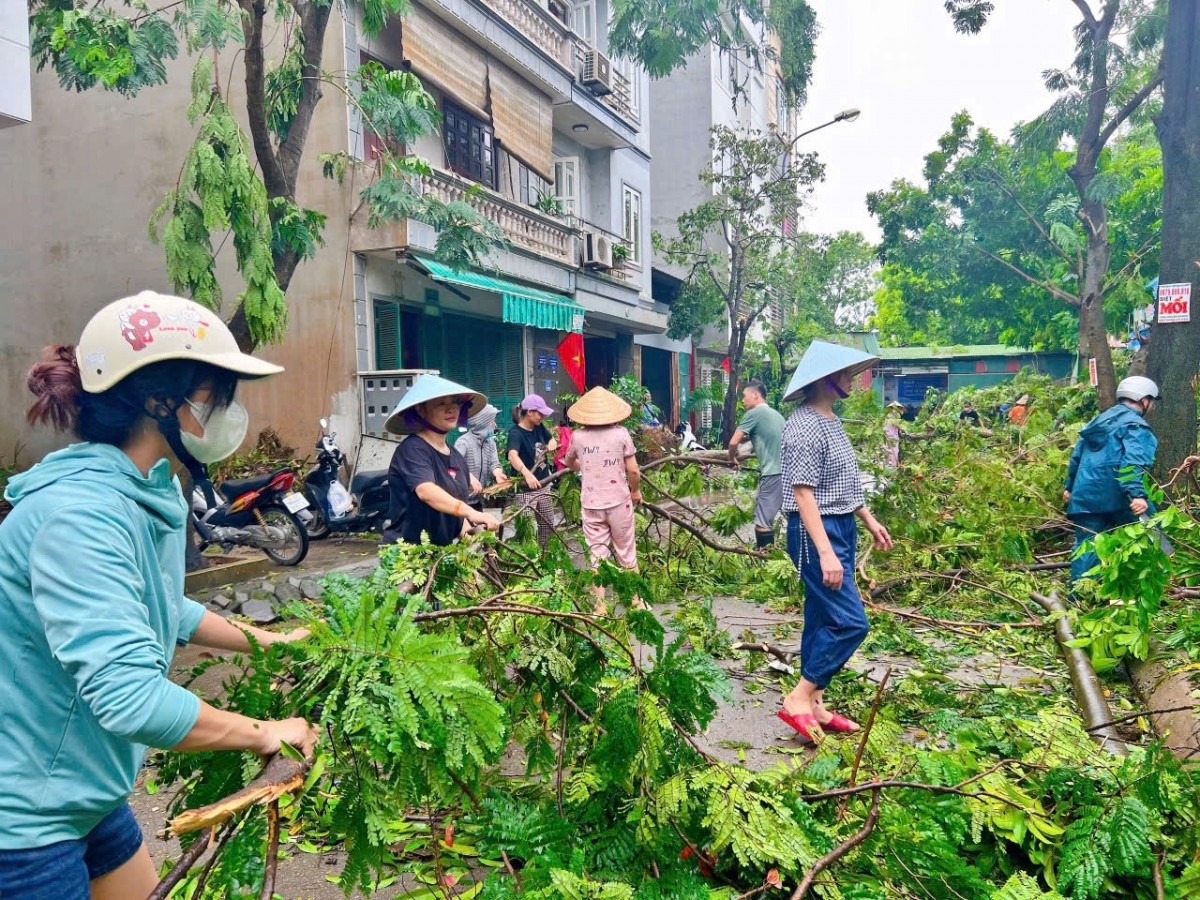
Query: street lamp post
<point x="846" y="115"/>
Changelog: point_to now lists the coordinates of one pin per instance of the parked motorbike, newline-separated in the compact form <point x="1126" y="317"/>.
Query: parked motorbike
<point x="361" y="507"/>
<point x="687" y="439"/>
<point x="261" y="512"/>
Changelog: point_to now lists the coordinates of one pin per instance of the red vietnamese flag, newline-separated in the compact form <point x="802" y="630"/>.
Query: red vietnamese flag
<point x="570" y="351"/>
<point x="725" y="365"/>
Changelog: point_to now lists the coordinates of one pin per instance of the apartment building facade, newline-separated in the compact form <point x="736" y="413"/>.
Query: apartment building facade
<point x="543" y="133"/>
<point x="16" y="101"/>
<point x="713" y="89"/>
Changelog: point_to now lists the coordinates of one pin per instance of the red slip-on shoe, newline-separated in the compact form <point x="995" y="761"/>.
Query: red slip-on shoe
<point x="805" y="725"/>
<point x="841" y="723"/>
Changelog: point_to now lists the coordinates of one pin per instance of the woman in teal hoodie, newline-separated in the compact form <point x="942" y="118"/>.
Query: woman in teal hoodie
<point x="91" y="595"/>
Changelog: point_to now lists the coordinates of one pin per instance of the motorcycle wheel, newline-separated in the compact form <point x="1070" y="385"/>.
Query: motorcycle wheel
<point x="318" y="528"/>
<point x="296" y="549"/>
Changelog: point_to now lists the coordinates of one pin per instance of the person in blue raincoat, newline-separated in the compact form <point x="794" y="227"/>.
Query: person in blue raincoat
<point x="1104" y="488"/>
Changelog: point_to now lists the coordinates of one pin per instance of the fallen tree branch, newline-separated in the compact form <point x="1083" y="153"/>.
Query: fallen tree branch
<point x="779" y="653"/>
<point x="272" y="865"/>
<point x="280" y="776"/>
<point x="511" y="871"/>
<point x="1140" y="714"/>
<point x="182" y="866"/>
<point x="1097" y="716"/>
<point x="1047" y="566"/>
<point x="841" y="849"/>
<point x="951" y="624"/>
<point x="700" y="535"/>
<point x="862" y="743"/>
<point x="717" y="458"/>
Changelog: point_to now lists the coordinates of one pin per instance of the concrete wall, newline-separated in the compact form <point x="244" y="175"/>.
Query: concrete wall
<point x="15" y="91"/>
<point x="77" y="189"/>
<point x="633" y="169"/>
<point x="682" y="104"/>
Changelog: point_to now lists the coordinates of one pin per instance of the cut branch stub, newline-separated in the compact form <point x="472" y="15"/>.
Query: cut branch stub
<point x="280" y="776"/>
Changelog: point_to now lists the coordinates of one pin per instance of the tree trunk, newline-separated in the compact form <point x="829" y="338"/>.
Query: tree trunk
<point x="1174" y="361"/>
<point x="737" y="348"/>
<point x="1093" y="333"/>
<point x="280" y="166"/>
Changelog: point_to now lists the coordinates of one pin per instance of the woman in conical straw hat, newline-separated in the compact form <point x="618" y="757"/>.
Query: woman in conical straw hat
<point x="428" y="479"/>
<point x="823" y="495"/>
<point x="602" y="452"/>
<point x="91" y="594"/>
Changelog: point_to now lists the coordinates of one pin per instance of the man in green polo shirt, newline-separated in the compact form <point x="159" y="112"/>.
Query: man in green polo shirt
<point x="764" y="427"/>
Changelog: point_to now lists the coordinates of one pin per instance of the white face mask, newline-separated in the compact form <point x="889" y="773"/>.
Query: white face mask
<point x="224" y="431"/>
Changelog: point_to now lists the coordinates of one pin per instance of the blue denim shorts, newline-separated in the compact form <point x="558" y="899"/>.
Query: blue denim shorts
<point x="63" y="871"/>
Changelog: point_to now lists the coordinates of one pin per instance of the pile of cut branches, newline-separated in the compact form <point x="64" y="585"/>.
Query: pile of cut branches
<point x="486" y="735"/>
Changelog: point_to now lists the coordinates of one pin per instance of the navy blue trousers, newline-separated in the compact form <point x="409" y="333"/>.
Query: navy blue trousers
<point x="1087" y="526"/>
<point x="835" y="622"/>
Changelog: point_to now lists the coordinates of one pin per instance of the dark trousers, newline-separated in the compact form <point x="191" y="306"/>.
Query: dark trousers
<point x="835" y="622"/>
<point x="1087" y="526"/>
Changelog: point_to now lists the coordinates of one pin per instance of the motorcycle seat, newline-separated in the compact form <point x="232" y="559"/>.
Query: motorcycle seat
<point x="363" y="481"/>
<point x="234" y="488"/>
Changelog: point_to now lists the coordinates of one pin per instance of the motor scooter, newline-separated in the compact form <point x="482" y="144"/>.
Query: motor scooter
<point x="362" y="507"/>
<point x="261" y="512"/>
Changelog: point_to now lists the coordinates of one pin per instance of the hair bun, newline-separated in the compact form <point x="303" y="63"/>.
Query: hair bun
<point x="56" y="384"/>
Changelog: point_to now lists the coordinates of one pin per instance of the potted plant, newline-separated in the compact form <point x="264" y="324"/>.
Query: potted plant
<point x="548" y="204"/>
<point x="620" y="254"/>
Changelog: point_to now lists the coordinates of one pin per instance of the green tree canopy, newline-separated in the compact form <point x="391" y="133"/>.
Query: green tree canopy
<point x="662" y="34"/>
<point x="992" y="246"/>
<point x="240" y="184"/>
<point x="737" y="247"/>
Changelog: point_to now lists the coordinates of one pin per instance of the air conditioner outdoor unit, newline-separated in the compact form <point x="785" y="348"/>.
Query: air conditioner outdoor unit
<point x="597" y="250"/>
<point x="597" y="72"/>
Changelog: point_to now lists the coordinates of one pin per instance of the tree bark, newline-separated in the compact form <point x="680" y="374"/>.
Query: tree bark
<point x="280" y="166"/>
<point x="737" y="349"/>
<point x="1173" y="360"/>
<point x="1093" y="335"/>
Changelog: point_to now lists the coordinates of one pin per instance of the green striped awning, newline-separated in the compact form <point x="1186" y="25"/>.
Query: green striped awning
<point x="521" y="305"/>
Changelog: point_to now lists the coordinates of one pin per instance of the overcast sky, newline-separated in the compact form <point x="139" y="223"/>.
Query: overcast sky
<point x="903" y="65"/>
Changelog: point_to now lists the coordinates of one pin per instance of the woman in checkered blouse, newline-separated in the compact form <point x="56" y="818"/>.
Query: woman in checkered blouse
<point x="823" y="494"/>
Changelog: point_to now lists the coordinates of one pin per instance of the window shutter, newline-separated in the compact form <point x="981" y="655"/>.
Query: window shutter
<point x="493" y="367"/>
<point x="387" y="335"/>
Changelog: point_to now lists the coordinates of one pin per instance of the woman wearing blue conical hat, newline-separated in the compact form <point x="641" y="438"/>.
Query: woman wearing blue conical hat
<point x="823" y="495"/>
<point x="429" y="479"/>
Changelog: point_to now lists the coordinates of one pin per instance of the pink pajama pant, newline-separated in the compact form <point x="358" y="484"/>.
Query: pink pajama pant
<point x="614" y="525"/>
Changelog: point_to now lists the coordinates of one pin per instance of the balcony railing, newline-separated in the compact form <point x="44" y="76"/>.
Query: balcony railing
<point x="524" y="227"/>
<point x="550" y="35"/>
<point x="557" y="41"/>
<point x="620" y="100"/>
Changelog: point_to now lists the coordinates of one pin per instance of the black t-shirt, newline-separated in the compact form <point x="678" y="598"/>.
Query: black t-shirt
<point x="531" y="448"/>
<point x="414" y="463"/>
<point x="969" y="415"/>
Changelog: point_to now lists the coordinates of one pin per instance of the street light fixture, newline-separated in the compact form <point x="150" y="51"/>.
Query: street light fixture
<point x="846" y="115"/>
